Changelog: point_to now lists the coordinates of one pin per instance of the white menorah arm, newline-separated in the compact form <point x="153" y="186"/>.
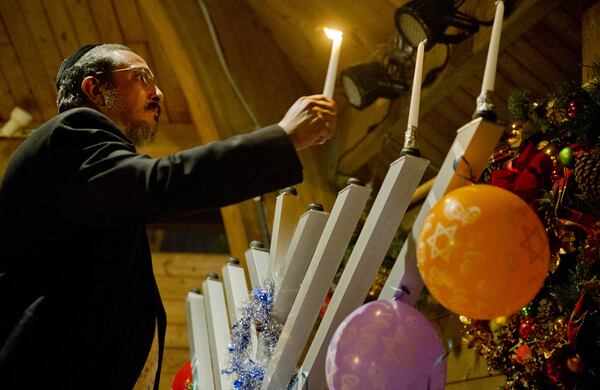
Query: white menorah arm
<point x="329" y="252"/>
<point x="393" y="199"/>
<point x="257" y="259"/>
<point x="236" y="293"/>
<point x="301" y="249"/>
<point x="198" y="340"/>
<point x="218" y="330"/>
<point x="287" y="211"/>
<point x="471" y="149"/>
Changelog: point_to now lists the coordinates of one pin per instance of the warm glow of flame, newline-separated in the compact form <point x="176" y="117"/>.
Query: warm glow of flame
<point x="332" y="34"/>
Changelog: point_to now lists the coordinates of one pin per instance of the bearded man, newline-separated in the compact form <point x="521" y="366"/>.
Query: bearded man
<point x="78" y="300"/>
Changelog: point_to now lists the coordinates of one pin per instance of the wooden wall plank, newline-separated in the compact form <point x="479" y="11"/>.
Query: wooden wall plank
<point x="29" y="58"/>
<point x="176" y="310"/>
<point x="175" y="287"/>
<point x="442" y="126"/>
<point x="463" y="102"/>
<point x="244" y="40"/>
<point x="62" y="27"/>
<point x="563" y="55"/>
<point x="590" y="26"/>
<point x="192" y="265"/>
<point x="83" y="21"/>
<point x="297" y="29"/>
<point x="534" y="62"/>
<point x="7" y="103"/>
<point x="175" y="101"/>
<point x="17" y="82"/>
<point x="432" y="148"/>
<point x="454" y="115"/>
<point x="106" y="21"/>
<point x="129" y="20"/>
<point x="39" y="25"/>
<point x="514" y="71"/>
<point x="173" y="360"/>
<point x="564" y="26"/>
<point x="502" y="91"/>
<point x="4" y="38"/>
<point x="177" y="336"/>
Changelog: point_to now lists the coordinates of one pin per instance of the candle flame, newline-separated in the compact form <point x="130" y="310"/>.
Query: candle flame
<point x="332" y="34"/>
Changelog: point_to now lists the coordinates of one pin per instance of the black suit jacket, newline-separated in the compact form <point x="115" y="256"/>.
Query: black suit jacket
<point x="78" y="299"/>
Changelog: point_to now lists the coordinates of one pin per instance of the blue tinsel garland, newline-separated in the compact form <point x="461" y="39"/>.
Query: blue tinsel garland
<point x="249" y="373"/>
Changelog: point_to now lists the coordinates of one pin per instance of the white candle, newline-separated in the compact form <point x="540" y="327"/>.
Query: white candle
<point x="336" y="37"/>
<point x="489" y="77"/>
<point x="415" y="97"/>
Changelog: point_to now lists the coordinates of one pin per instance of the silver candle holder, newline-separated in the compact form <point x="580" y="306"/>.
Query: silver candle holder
<point x="410" y="142"/>
<point x="485" y="107"/>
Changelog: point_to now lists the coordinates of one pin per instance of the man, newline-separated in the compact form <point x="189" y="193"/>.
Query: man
<point x="78" y="300"/>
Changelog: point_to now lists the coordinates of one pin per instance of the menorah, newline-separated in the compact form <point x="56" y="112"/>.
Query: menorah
<point x="306" y="252"/>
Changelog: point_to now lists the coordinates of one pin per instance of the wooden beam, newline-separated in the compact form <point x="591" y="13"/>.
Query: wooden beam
<point x="192" y="69"/>
<point x="29" y="59"/>
<point x="215" y="107"/>
<point x="467" y="58"/>
<point x="590" y="26"/>
<point x="83" y="21"/>
<point x="166" y="21"/>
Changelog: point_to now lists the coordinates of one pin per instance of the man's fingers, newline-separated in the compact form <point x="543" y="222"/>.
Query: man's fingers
<point x="324" y="111"/>
<point x="323" y="102"/>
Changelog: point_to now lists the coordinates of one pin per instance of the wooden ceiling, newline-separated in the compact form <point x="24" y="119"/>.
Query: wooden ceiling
<point x="275" y="51"/>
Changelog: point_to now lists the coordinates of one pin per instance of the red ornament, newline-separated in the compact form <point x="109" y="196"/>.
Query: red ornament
<point x="554" y="369"/>
<point x="184" y="379"/>
<point x="527" y="327"/>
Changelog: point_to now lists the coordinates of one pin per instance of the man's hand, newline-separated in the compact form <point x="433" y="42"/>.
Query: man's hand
<point x="310" y="121"/>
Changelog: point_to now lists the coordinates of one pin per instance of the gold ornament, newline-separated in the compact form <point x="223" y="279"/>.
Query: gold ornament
<point x="515" y="134"/>
<point x="555" y="114"/>
<point x="498" y="322"/>
<point x="465" y="320"/>
<point x="559" y="324"/>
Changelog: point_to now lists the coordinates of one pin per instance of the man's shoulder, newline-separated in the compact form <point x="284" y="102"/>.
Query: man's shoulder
<point x="82" y="122"/>
<point x="84" y="117"/>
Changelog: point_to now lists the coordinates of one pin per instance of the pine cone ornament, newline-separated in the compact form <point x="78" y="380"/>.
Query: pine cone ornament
<point x="587" y="175"/>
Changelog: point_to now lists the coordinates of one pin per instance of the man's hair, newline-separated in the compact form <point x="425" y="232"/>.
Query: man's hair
<point x="99" y="59"/>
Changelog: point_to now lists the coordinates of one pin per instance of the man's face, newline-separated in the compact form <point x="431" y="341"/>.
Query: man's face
<point x="132" y="99"/>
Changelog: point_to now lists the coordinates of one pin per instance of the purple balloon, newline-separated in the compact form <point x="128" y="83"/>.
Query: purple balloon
<point x="385" y="345"/>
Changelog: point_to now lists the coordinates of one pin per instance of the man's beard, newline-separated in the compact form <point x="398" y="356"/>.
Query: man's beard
<point x="139" y="133"/>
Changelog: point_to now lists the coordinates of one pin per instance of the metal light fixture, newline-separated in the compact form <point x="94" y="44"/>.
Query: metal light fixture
<point x="388" y="75"/>
<point x="364" y="83"/>
<point x="418" y="20"/>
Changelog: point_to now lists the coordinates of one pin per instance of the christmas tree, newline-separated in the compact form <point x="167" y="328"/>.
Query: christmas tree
<point x="550" y="157"/>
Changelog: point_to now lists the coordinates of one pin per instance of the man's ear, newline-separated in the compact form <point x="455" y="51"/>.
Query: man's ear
<point x="91" y="88"/>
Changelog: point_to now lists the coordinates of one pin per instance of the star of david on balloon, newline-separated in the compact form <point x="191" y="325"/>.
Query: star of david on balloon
<point x="444" y="251"/>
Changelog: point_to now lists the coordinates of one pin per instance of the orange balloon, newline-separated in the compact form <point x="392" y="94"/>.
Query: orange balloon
<point x="483" y="252"/>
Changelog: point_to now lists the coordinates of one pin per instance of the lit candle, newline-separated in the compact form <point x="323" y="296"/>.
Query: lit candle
<point x="336" y="37"/>
<point x="415" y="97"/>
<point x="489" y="77"/>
